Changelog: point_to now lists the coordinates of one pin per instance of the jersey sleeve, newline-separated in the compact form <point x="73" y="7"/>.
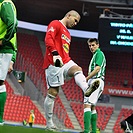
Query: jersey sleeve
<point x="99" y="59"/>
<point x="14" y="56"/>
<point x="52" y="31"/>
<point x="9" y="18"/>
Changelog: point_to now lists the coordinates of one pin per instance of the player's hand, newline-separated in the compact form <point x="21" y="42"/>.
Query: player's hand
<point x="10" y="69"/>
<point x="57" y="61"/>
<point x="87" y="78"/>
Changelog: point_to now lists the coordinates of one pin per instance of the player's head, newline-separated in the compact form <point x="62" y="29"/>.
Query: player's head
<point x="71" y="19"/>
<point x="93" y="44"/>
<point x="32" y="111"/>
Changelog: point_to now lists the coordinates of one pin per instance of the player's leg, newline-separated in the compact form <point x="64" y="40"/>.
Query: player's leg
<point x="87" y="117"/>
<point x="75" y="71"/>
<point x="93" y="98"/>
<point x="94" y="119"/>
<point x="80" y="80"/>
<point x="5" y="60"/>
<point x="92" y="87"/>
<point x="90" y="114"/>
<point x="2" y="104"/>
<point x="49" y="106"/>
<point x="54" y="77"/>
<point x="90" y="119"/>
<point x="30" y="124"/>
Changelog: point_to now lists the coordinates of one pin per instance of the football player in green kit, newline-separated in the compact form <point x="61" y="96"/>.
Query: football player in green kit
<point x="96" y="72"/>
<point x="8" y="46"/>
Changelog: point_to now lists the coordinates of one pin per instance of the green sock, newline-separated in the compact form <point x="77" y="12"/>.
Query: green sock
<point x="87" y="121"/>
<point x="2" y="104"/>
<point x="94" y="122"/>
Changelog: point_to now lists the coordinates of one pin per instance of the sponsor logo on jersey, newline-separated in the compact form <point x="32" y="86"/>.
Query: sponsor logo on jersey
<point x="64" y="30"/>
<point x="51" y="29"/>
<point x="66" y="47"/>
<point x="64" y="37"/>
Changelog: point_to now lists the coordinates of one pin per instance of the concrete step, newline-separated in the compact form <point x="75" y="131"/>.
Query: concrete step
<point x="16" y="89"/>
<point x="108" y="131"/>
<point x="111" y="123"/>
<point x="70" y="113"/>
<point x="39" y="107"/>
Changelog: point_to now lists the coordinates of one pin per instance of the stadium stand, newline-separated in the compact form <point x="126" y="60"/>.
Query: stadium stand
<point x="8" y="88"/>
<point x="18" y="108"/>
<point x="31" y="62"/>
<point x="117" y="71"/>
<point x="72" y="91"/>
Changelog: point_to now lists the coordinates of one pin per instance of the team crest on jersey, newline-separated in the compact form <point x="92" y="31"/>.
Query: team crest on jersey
<point x="51" y="29"/>
<point x="66" y="47"/>
<point x="64" y="37"/>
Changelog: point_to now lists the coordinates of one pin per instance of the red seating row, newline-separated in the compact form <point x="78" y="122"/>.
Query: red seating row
<point x="18" y="108"/>
<point x="72" y="91"/>
<point x="30" y="59"/>
<point x="9" y="89"/>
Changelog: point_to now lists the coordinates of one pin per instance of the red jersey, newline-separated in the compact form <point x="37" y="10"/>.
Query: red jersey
<point x="57" y="39"/>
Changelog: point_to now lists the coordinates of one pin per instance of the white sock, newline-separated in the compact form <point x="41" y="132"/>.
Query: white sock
<point x="2" y="88"/>
<point x="94" y="112"/>
<point x="48" y="108"/>
<point x="87" y="109"/>
<point x="80" y="80"/>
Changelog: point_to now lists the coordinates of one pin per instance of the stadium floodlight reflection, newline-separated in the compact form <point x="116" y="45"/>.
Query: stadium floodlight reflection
<point x="43" y="28"/>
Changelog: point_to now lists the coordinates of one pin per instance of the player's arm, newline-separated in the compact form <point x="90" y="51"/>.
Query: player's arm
<point x="9" y="18"/>
<point x="93" y="73"/>
<point x="10" y="67"/>
<point x="98" y="62"/>
<point x="52" y="31"/>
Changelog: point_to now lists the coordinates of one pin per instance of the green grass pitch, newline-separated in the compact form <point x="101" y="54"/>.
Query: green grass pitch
<point x="22" y="129"/>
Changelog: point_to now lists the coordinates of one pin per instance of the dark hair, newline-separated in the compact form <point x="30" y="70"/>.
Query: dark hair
<point x="93" y="40"/>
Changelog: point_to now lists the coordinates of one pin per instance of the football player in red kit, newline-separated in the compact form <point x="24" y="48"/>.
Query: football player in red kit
<point x="58" y="64"/>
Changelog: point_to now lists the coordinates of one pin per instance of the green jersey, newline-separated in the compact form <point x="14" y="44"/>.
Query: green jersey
<point x="8" y="28"/>
<point x="98" y="59"/>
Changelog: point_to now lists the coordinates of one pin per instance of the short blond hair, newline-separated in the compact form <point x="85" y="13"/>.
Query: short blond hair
<point x="73" y="13"/>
